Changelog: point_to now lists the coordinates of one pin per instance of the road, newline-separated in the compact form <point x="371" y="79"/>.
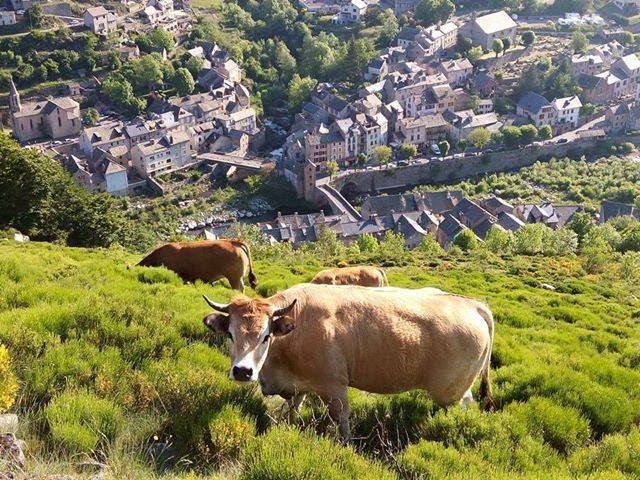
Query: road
<point x="573" y="134"/>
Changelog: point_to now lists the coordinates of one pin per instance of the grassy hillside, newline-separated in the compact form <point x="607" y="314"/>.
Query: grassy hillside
<point x="116" y="364"/>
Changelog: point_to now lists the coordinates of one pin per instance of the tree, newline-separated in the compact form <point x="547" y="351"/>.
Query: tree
<point x="479" y="137"/>
<point x="444" y="147"/>
<point x="434" y="11"/>
<point x="332" y="168"/>
<point x="359" y="53"/>
<point x="183" y="82"/>
<point x="528" y="133"/>
<point x="466" y="240"/>
<point x="382" y="154"/>
<point x="367" y="243"/>
<point x="195" y="66"/>
<point x="464" y="44"/>
<point x="545" y="132"/>
<point x="113" y="61"/>
<point x="91" y="116"/>
<point x="528" y="37"/>
<point x="35" y="14"/>
<point x="582" y="224"/>
<point x="408" y="151"/>
<point x="160" y="39"/>
<point x="299" y="90"/>
<point x="389" y="27"/>
<point x="361" y="160"/>
<point x="473" y="103"/>
<point x="587" y="109"/>
<point x="474" y="54"/>
<point x="506" y="44"/>
<point x="284" y="61"/>
<point x="144" y="72"/>
<point x="498" y="241"/>
<point x="511" y="136"/>
<point x="579" y="42"/>
<point x="497" y="46"/>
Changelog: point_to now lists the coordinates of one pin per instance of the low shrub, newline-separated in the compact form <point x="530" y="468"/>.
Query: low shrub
<point x="289" y="454"/>
<point x="230" y="430"/>
<point x="561" y="427"/>
<point x="8" y="383"/>
<point x="614" y="453"/>
<point x="80" y="422"/>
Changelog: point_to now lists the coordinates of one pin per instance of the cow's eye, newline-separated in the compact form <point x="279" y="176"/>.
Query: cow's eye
<point x="266" y="338"/>
<point x="229" y="336"/>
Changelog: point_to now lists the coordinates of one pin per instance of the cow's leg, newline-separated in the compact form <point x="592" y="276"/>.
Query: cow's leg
<point x="467" y="399"/>
<point x="338" y="406"/>
<point x="237" y="283"/>
<point x="294" y="406"/>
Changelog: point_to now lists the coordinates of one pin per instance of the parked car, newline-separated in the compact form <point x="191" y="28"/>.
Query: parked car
<point x="403" y="163"/>
<point x="435" y="149"/>
<point x="563" y="140"/>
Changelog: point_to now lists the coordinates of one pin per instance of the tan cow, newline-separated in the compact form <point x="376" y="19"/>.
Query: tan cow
<point x="208" y="260"/>
<point x="363" y="276"/>
<point x="325" y="338"/>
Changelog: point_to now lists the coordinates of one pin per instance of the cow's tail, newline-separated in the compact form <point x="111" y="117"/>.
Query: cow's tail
<point x="485" y="395"/>
<point x="385" y="280"/>
<point x="253" y="281"/>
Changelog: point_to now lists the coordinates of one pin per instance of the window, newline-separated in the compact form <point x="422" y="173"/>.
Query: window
<point x="59" y="122"/>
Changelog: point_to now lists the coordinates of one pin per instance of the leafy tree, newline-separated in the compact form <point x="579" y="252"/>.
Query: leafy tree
<point x="284" y="61"/>
<point x="361" y="160"/>
<point x="444" y="147"/>
<point x="511" y="136"/>
<point x="528" y="37"/>
<point x="430" y="245"/>
<point x="581" y="224"/>
<point x="498" y="241"/>
<point x="162" y="39"/>
<point x="497" y="46"/>
<point x="35" y="15"/>
<point x="479" y="137"/>
<point x="506" y="44"/>
<point x="587" y="109"/>
<point x="528" y="133"/>
<point x="631" y="239"/>
<point x="466" y="240"/>
<point x="113" y="61"/>
<point x="464" y="44"/>
<point x="332" y="168"/>
<point x="195" y="66"/>
<point x="627" y="148"/>
<point x="359" y="53"/>
<point x="389" y="28"/>
<point x="299" y="90"/>
<point x="474" y="54"/>
<point x="408" y="151"/>
<point x="545" y="132"/>
<point x="391" y="246"/>
<point x="40" y="199"/>
<point x="497" y="138"/>
<point x="145" y="72"/>
<point x="367" y="243"/>
<point x="91" y="116"/>
<point x="579" y="42"/>
<point x="183" y="82"/>
<point x="473" y="103"/>
<point x="382" y="154"/>
<point x="434" y="11"/>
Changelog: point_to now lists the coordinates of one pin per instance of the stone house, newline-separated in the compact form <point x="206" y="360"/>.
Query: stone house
<point x="100" y="21"/>
<point x="487" y="28"/>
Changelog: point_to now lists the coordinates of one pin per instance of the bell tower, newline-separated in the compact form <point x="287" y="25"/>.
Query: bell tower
<point x="14" y="97"/>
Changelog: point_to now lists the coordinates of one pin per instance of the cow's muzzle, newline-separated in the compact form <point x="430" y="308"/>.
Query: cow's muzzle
<point x="242" y="374"/>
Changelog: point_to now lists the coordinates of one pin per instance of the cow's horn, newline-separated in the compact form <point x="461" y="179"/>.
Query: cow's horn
<point x="219" y="307"/>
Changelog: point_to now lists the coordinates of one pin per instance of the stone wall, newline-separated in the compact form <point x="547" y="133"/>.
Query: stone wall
<point x="453" y="169"/>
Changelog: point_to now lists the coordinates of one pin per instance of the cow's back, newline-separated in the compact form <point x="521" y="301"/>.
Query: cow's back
<point x="206" y="260"/>
<point x="362" y="276"/>
<point x="385" y="340"/>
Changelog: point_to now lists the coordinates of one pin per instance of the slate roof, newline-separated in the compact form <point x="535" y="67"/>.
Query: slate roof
<point x="533" y="102"/>
<point x="609" y="209"/>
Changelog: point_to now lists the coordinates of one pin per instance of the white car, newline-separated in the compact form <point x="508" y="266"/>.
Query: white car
<point x="435" y="149"/>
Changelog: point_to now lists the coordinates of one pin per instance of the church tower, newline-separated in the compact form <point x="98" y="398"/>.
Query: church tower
<point x="14" y="97"/>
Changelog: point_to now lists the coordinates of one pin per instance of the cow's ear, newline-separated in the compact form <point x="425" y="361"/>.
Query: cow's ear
<point x="282" y="320"/>
<point x="217" y="322"/>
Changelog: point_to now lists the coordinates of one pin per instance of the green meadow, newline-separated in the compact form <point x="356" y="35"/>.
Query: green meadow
<point x="114" y="364"/>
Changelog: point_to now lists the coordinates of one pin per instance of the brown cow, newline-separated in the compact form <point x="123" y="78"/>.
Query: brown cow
<point x="363" y="276"/>
<point x="325" y="338"/>
<point x="207" y="260"/>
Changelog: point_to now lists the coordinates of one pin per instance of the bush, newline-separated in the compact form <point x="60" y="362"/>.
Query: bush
<point x="288" y="454"/>
<point x="8" y="383"/>
<point x="561" y="427"/>
<point x="80" y="422"/>
<point x="466" y="240"/>
<point x="615" y="453"/>
<point x="230" y="430"/>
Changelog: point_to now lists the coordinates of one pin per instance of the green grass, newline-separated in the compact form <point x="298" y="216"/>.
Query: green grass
<point x="110" y="358"/>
